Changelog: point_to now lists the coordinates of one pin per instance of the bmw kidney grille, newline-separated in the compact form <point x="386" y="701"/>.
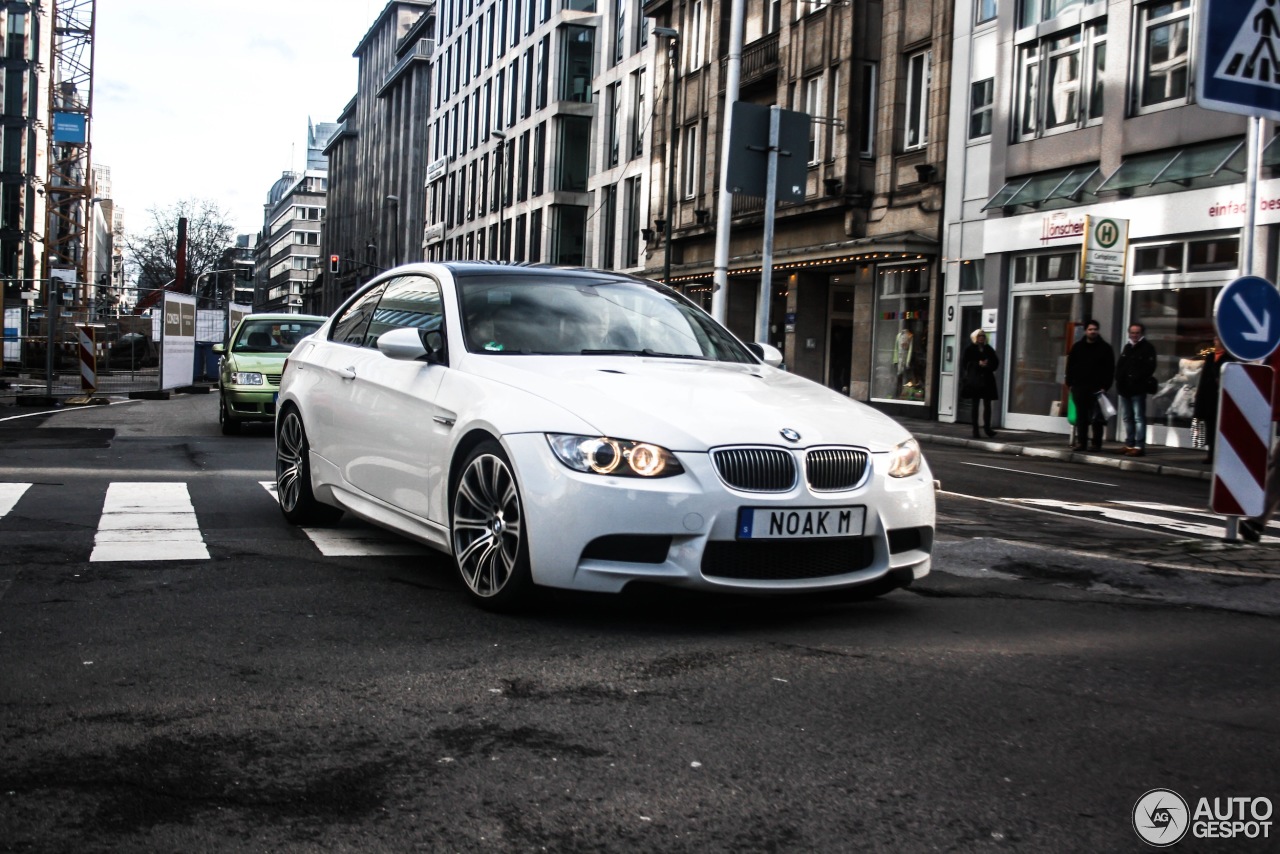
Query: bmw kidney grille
<point x="774" y="469"/>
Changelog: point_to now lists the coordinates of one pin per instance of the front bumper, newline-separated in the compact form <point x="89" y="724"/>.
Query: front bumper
<point x="251" y="403"/>
<point x="599" y="533"/>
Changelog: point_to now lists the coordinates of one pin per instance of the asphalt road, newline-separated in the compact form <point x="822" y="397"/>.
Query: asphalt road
<point x="292" y="693"/>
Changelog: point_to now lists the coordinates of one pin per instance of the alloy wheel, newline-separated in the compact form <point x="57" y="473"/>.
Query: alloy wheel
<point x="488" y="526"/>
<point x="291" y="449"/>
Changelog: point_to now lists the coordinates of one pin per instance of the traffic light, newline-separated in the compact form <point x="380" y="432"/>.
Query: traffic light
<point x="333" y="264"/>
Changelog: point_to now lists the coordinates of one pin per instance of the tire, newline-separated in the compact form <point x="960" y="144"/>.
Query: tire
<point x="490" y="542"/>
<point x="230" y="426"/>
<point x="293" y="475"/>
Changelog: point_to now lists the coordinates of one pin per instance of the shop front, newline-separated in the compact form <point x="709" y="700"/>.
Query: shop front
<point x="1183" y="248"/>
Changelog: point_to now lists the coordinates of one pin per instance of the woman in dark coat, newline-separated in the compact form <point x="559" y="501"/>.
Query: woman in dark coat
<point x="1205" y="407"/>
<point x="978" y="366"/>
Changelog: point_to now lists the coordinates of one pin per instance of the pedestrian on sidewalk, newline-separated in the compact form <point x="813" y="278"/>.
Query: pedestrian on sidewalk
<point x="1135" y="379"/>
<point x="978" y="366"/>
<point x="1205" y="407"/>
<point x="1091" y="367"/>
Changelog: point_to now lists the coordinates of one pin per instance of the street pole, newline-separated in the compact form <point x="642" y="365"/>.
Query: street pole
<point x="673" y="134"/>
<point x="770" y="205"/>
<point x="724" y="208"/>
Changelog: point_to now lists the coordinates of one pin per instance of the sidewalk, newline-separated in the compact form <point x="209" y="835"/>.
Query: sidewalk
<point x="1179" y="462"/>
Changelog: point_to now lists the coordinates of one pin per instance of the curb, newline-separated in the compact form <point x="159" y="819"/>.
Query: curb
<point x="1066" y="455"/>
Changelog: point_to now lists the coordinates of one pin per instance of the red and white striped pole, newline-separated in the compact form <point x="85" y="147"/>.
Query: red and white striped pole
<point x="1244" y="440"/>
<point x="88" y="359"/>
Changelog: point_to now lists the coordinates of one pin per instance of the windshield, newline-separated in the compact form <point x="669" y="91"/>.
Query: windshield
<point x="272" y="336"/>
<point x="561" y="315"/>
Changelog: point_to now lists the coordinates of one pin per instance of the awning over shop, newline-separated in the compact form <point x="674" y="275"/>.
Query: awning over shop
<point x="1206" y="160"/>
<point x="1037" y="189"/>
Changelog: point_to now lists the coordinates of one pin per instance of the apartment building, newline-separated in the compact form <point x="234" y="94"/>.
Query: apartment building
<point x="856" y="264"/>
<point x="540" y="121"/>
<point x="288" y="252"/>
<point x="377" y="158"/>
<point x="1062" y="110"/>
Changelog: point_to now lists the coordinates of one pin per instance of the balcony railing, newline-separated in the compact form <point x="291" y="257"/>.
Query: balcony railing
<point x="759" y="59"/>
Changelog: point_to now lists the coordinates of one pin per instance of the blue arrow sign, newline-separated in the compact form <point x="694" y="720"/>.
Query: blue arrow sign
<point x="1247" y="316"/>
<point x="1239" y="69"/>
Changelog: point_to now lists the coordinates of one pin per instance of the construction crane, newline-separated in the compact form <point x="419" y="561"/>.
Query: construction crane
<point x="69" y="186"/>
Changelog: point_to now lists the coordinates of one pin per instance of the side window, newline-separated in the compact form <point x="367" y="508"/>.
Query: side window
<point x="410" y="302"/>
<point x="350" y="326"/>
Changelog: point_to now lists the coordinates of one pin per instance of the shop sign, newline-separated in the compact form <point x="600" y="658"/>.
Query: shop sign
<point x="1062" y="226"/>
<point x="1106" y="241"/>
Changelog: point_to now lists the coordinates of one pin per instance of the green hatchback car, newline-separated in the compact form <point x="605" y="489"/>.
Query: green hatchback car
<point x="252" y="361"/>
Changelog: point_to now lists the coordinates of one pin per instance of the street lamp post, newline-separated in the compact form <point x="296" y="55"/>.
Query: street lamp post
<point x="674" y="48"/>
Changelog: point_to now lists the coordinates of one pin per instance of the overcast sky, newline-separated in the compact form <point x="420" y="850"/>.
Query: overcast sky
<point x="209" y="100"/>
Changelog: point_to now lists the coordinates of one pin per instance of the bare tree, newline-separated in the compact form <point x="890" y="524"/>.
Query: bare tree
<point x="153" y="254"/>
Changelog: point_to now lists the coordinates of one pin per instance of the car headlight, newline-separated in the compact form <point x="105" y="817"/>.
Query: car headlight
<point x="905" y="459"/>
<point x="246" y="378"/>
<point x="617" y="457"/>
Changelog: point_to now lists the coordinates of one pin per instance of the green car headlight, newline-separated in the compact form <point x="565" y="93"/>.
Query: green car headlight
<point x="246" y="378"/>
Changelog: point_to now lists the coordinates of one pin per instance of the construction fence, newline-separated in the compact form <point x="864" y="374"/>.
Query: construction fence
<point x="115" y="353"/>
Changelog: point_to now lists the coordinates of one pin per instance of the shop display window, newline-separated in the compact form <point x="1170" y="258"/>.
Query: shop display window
<point x="1180" y="326"/>
<point x="901" y="334"/>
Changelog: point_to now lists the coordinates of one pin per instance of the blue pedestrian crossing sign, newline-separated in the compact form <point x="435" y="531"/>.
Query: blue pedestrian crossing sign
<point x="1239" y="70"/>
<point x="1247" y="316"/>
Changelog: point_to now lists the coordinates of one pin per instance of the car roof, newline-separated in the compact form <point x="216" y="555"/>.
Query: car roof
<point x="266" y="315"/>
<point x="466" y="269"/>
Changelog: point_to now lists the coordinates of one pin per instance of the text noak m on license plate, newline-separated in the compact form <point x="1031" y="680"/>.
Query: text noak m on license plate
<point x="781" y="523"/>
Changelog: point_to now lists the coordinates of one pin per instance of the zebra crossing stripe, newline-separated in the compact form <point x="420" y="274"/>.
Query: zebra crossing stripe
<point x="363" y="541"/>
<point x="9" y="495"/>
<point x="148" y="521"/>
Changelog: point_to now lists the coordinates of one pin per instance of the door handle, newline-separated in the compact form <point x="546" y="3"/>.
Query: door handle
<point x="347" y="373"/>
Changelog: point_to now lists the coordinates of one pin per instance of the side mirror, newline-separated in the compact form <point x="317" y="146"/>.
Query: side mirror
<point x="219" y="348"/>
<point x="766" y="353"/>
<point x="413" y="345"/>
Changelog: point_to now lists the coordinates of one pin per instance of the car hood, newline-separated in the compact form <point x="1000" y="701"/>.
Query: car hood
<point x="266" y="363"/>
<point x="686" y="405"/>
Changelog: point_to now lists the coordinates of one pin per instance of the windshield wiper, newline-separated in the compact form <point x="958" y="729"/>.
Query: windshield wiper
<point x="644" y="352"/>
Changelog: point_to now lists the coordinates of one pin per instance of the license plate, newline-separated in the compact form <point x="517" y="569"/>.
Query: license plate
<point x="800" y="523"/>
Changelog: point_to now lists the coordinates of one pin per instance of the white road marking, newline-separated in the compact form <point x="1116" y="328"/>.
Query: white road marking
<point x="9" y="495"/>
<point x="1038" y="474"/>
<point x="1120" y="514"/>
<point x="148" y="521"/>
<point x="363" y="541"/>
<point x="60" y="411"/>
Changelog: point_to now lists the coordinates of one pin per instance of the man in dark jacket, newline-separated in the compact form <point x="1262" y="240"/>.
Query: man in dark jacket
<point x="1135" y="379"/>
<point x="1091" y="366"/>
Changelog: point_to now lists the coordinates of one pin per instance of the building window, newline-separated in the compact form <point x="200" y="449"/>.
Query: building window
<point x="638" y="118"/>
<point x="518" y="254"/>
<point x="578" y="47"/>
<point x="569" y="234"/>
<point x="620" y="31"/>
<point x="980" y="95"/>
<point x="574" y="154"/>
<point x="1163" y="51"/>
<point x="613" y="104"/>
<point x="689" y="162"/>
<point x="537" y="169"/>
<point x="1060" y="81"/>
<point x="917" y="102"/>
<point x="984" y="10"/>
<point x="1034" y="11"/>
<point x="608" y="226"/>
<point x="535" y="235"/>
<point x="540" y="70"/>
<point x="631" y="223"/>
<point x="867" y="116"/>
<point x="697" y="38"/>
<point x="971" y="275"/>
<point x="813" y="106"/>
<point x="900" y="334"/>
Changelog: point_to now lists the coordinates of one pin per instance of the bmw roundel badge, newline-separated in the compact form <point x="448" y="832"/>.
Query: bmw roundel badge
<point x="789" y="434"/>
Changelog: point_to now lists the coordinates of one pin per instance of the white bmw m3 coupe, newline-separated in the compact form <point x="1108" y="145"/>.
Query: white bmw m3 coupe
<point x="583" y="429"/>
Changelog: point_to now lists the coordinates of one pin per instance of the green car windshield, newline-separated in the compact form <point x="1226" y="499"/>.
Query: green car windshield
<point x="272" y="336"/>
